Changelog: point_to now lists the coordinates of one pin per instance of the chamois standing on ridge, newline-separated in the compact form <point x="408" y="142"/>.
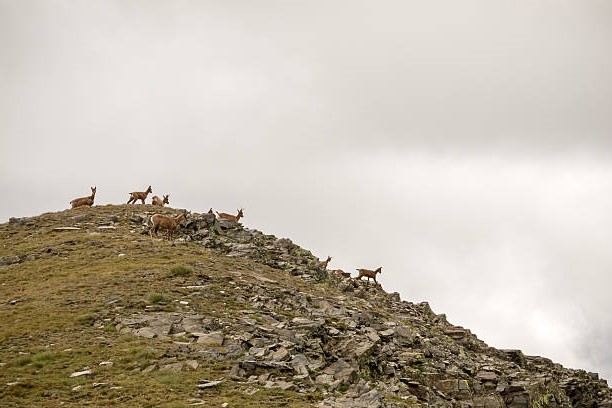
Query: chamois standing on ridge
<point x="341" y="274"/>
<point x="139" y="195"/>
<point x="230" y="217"/>
<point x="159" y="202"/>
<point x="81" y="201"/>
<point x="326" y="262"/>
<point x="368" y="273"/>
<point x="167" y="222"/>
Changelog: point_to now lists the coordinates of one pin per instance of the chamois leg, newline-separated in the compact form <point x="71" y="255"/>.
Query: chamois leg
<point x="142" y="200"/>
<point x="154" y="229"/>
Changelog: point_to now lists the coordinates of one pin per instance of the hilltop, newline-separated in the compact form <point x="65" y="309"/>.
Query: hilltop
<point x="96" y="313"/>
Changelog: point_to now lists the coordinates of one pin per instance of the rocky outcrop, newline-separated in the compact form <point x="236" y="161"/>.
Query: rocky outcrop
<point x="366" y="348"/>
<point x="232" y="239"/>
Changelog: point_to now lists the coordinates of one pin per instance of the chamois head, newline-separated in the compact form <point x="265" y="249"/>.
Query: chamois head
<point x="149" y="190"/>
<point x="93" y="191"/>
<point x="165" y="200"/>
<point x="240" y="214"/>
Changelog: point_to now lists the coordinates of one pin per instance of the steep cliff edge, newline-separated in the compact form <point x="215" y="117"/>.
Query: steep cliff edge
<point x="96" y="313"/>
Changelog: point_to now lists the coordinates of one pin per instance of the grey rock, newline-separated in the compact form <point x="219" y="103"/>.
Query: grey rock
<point x="387" y="333"/>
<point x="342" y="370"/>
<point x="282" y="354"/>
<point x="209" y="384"/>
<point x="305" y="322"/>
<point x="365" y="348"/>
<point x="146" y="332"/>
<point x="211" y="339"/>
<point x="9" y="260"/>
<point x="85" y="371"/>
<point x="299" y="362"/>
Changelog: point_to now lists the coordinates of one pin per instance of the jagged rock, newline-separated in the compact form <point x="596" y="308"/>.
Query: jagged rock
<point x="210" y="339"/>
<point x="487" y="376"/>
<point x="209" y="384"/>
<point x="342" y="371"/>
<point x="304" y="322"/>
<point x="489" y="401"/>
<point x="282" y="354"/>
<point x="146" y="332"/>
<point x="281" y="384"/>
<point x="365" y="348"/>
<point x="10" y="260"/>
<point x="299" y="362"/>
<point x="455" y="388"/>
<point x="411" y="357"/>
<point x="516" y="356"/>
<point x="387" y="333"/>
<point x="370" y="399"/>
<point x="85" y="371"/>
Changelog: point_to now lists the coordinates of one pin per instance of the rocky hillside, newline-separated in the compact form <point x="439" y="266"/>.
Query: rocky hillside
<point x="95" y="313"/>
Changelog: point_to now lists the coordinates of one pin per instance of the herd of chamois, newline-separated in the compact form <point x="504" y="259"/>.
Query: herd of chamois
<point x="171" y="224"/>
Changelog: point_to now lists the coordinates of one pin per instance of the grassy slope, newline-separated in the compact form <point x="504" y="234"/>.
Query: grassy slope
<point x="58" y="310"/>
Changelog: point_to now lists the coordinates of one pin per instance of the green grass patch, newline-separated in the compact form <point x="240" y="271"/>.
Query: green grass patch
<point x="158" y="298"/>
<point x="343" y="388"/>
<point x="180" y="271"/>
<point x="142" y="355"/>
<point x="85" y="319"/>
<point x="169" y="378"/>
<point x="110" y="328"/>
<point x="23" y="361"/>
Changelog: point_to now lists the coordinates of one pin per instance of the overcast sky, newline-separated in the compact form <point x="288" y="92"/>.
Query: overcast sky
<point x="464" y="146"/>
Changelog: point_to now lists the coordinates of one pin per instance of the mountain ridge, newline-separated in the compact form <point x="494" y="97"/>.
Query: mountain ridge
<point x="229" y="315"/>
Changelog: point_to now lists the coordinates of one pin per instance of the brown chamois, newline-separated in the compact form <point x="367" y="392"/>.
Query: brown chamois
<point x="326" y="262"/>
<point x="159" y="202"/>
<point x="89" y="200"/>
<point x="139" y="195"/>
<point x="342" y="274"/>
<point x="169" y="223"/>
<point x="230" y="217"/>
<point x="368" y="273"/>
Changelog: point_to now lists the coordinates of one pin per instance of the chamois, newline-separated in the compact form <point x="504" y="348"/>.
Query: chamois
<point x="139" y="195"/>
<point x="342" y="274"/>
<point x="89" y="200"/>
<point x="159" y="202"/>
<point x="167" y="222"/>
<point x="229" y="217"/>
<point x="326" y="262"/>
<point x="368" y="273"/>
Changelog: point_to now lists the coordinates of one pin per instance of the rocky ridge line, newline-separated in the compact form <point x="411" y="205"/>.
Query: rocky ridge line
<point x="360" y="357"/>
<point x="362" y="347"/>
